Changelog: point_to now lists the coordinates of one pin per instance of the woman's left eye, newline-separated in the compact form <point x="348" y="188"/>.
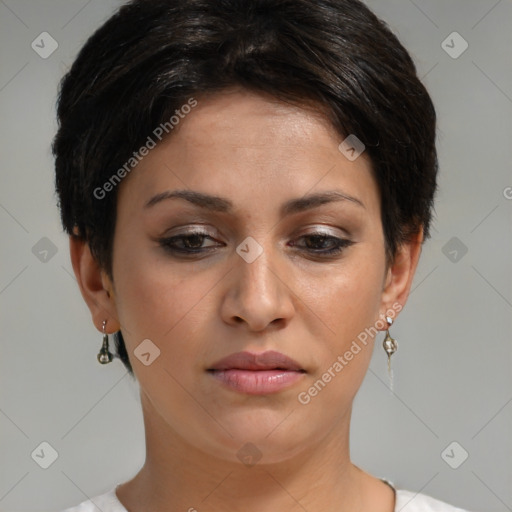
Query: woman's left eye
<point x="323" y="244"/>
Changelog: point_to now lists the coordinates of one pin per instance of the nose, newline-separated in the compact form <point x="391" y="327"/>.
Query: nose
<point x="257" y="293"/>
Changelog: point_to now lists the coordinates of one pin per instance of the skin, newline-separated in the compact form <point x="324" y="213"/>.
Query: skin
<point x="258" y="153"/>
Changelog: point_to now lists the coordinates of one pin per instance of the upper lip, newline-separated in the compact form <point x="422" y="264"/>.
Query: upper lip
<point x="269" y="360"/>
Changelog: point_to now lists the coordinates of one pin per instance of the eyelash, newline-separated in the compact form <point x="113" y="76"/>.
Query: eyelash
<point x="340" y="244"/>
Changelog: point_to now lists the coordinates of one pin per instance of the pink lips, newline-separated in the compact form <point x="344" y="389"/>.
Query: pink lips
<point x="257" y="373"/>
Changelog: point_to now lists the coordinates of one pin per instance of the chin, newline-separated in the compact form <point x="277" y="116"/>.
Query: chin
<point x="269" y="439"/>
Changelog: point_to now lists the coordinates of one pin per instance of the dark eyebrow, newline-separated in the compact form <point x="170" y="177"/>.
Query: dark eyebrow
<point x="314" y="200"/>
<point x="213" y="203"/>
<point x="219" y="204"/>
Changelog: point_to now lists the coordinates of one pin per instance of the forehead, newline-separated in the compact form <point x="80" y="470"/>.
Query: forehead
<point x="245" y="142"/>
<point x="230" y="111"/>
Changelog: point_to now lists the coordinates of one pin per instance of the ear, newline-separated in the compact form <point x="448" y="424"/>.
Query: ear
<point x="97" y="289"/>
<point x="399" y="276"/>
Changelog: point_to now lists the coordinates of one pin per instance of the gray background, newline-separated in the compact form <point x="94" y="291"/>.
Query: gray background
<point x="453" y="367"/>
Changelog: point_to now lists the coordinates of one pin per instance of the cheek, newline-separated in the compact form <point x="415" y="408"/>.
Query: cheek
<point x="163" y="303"/>
<point x="347" y="301"/>
<point x="348" y="304"/>
<point x="348" y="298"/>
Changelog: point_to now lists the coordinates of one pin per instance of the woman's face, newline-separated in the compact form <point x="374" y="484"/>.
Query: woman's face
<point x="258" y="278"/>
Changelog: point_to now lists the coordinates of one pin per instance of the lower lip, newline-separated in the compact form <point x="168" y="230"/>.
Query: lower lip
<point x="257" y="382"/>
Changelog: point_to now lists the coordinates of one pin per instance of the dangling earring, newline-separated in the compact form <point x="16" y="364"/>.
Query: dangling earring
<point x="390" y="346"/>
<point x="104" y="356"/>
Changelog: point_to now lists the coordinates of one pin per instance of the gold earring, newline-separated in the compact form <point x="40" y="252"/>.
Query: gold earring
<point x="104" y="356"/>
<point x="390" y="345"/>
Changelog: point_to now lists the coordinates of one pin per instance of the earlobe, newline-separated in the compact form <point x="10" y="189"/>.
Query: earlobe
<point x="400" y="274"/>
<point x="94" y="285"/>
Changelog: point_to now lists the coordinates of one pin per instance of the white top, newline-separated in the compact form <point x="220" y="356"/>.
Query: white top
<point x="406" y="501"/>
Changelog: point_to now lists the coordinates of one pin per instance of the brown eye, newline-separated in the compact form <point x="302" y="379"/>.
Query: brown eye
<point x="323" y="244"/>
<point x="187" y="243"/>
<point x="193" y="241"/>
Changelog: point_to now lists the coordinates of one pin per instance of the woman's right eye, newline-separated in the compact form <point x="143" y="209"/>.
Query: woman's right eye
<point x="190" y="243"/>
